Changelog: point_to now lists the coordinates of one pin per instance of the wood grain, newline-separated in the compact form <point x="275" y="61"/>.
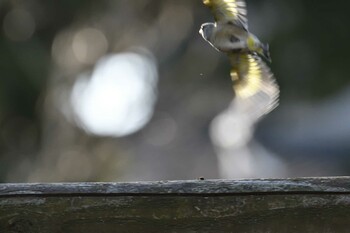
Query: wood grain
<point x="252" y="206"/>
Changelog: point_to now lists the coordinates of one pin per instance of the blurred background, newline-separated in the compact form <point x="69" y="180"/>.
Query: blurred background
<point x="120" y="90"/>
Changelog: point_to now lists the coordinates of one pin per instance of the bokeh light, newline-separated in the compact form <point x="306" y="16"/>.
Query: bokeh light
<point x="163" y="131"/>
<point x="119" y="97"/>
<point x="89" y="44"/>
<point x="19" y="25"/>
<point x="232" y="134"/>
<point x="62" y="50"/>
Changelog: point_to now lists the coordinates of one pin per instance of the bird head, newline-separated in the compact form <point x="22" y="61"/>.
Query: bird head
<point x="207" y="30"/>
<point x="255" y="45"/>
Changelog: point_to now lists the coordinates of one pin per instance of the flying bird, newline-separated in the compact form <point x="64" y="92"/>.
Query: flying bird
<point x="252" y="78"/>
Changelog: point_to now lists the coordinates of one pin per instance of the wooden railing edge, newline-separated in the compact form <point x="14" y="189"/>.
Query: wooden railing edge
<point x="184" y="187"/>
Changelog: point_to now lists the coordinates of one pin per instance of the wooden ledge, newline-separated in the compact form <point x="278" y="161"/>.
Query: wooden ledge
<point x="252" y="206"/>
<point x="195" y="187"/>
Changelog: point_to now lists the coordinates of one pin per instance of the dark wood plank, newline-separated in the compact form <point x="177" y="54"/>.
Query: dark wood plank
<point x="247" y="206"/>
<point x="197" y="187"/>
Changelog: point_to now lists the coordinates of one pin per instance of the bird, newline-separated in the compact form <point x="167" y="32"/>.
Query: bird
<point x="251" y="76"/>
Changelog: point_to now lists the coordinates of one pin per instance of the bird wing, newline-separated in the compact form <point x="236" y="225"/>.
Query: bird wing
<point x="253" y="81"/>
<point x="229" y="11"/>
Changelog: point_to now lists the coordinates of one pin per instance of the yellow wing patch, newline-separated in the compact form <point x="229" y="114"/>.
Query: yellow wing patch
<point x="253" y="79"/>
<point x="229" y="11"/>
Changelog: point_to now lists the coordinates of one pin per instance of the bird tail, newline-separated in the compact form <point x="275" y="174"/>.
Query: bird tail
<point x="266" y="52"/>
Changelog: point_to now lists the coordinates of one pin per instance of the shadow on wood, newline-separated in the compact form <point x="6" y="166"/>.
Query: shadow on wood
<point x="245" y="206"/>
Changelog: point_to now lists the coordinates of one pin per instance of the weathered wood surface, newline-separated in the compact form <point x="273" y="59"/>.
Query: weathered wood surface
<point x="245" y="206"/>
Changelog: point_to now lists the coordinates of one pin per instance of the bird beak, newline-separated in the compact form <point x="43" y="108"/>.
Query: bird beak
<point x="201" y="31"/>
